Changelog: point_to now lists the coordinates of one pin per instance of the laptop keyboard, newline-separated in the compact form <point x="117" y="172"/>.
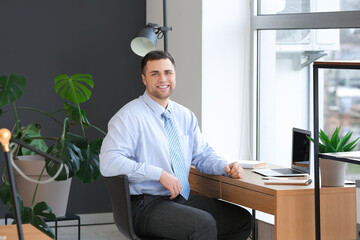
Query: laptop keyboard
<point x="286" y="171"/>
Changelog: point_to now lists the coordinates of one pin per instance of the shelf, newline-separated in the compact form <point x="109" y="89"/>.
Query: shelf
<point x="339" y="64"/>
<point x="316" y="66"/>
<point x="342" y="157"/>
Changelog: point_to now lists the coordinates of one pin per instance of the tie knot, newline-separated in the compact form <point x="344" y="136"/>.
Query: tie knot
<point x="166" y="114"/>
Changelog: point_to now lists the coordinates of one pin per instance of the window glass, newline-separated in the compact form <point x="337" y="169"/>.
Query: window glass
<point x="307" y="6"/>
<point x="341" y="98"/>
<point x="285" y="88"/>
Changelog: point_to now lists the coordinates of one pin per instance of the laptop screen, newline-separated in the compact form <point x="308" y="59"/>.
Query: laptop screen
<point x="301" y="150"/>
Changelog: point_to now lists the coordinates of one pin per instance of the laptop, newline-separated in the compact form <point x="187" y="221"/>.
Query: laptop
<point x="300" y="165"/>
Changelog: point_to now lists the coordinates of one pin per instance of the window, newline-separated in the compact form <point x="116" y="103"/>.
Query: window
<point x="286" y="46"/>
<point x="307" y="6"/>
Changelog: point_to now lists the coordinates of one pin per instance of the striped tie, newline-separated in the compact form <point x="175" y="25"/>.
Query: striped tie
<point x="176" y="157"/>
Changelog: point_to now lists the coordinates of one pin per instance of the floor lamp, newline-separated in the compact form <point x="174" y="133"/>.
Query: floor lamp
<point x="146" y="39"/>
<point x="5" y="138"/>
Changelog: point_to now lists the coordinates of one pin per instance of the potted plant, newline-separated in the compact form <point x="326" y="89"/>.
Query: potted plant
<point x="80" y="157"/>
<point x="333" y="172"/>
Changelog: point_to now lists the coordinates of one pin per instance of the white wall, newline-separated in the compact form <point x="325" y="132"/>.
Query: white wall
<point x="225" y="86"/>
<point x="210" y="42"/>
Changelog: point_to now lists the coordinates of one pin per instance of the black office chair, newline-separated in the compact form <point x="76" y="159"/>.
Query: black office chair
<point x="118" y="188"/>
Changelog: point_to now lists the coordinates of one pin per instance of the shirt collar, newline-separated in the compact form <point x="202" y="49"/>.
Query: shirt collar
<point x="154" y="106"/>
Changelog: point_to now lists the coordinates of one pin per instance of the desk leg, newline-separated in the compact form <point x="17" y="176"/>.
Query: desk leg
<point x="79" y="229"/>
<point x="56" y="226"/>
<point x="254" y="232"/>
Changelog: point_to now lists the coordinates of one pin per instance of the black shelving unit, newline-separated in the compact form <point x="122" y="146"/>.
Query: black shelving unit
<point x="316" y="67"/>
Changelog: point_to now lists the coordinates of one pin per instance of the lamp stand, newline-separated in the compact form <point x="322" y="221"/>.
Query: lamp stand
<point x="5" y="136"/>
<point x="166" y="28"/>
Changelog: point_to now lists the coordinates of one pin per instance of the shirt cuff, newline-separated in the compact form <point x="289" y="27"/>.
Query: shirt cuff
<point x="155" y="173"/>
<point x="219" y="170"/>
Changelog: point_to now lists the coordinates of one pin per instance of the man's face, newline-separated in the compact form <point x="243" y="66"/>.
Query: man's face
<point x="160" y="79"/>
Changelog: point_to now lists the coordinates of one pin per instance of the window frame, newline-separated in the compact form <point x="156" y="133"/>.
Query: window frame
<point x="259" y="22"/>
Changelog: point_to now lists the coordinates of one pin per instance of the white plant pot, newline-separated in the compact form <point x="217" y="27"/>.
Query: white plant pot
<point x="55" y="193"/>
<point x="332" y="173"/>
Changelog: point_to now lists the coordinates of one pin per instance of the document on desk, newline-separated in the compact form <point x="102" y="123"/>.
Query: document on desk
<point x="250" y="164"/>
<point x="288" y="182"/>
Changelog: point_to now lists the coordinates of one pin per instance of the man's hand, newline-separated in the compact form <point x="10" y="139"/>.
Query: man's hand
<point x="171" y="183"/>
<point x="235" y="170"/>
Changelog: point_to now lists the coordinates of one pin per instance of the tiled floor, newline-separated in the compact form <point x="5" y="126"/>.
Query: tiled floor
<point x="93" y="227"/>
<point x="98" y="226"/>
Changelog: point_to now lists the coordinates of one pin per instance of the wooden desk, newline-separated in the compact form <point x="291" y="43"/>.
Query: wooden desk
<point x="292" y="206"/>
<point x="29" y="231"/>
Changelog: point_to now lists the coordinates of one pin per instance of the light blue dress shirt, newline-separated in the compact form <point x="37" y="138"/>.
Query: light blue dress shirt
<point x="136" y="145"/>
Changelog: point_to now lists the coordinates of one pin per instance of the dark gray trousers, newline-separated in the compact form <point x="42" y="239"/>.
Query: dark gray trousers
<point x="196" y="218"/>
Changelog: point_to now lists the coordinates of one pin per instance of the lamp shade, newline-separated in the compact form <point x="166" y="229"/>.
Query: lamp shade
<point x="145" y="41"/>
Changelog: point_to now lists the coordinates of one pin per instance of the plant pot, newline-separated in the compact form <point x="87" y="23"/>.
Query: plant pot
<point x="55" y="193"/>
<point x="332" y="173"/>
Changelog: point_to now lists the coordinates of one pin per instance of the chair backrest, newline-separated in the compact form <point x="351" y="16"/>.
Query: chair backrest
<point x="118" y="188"/>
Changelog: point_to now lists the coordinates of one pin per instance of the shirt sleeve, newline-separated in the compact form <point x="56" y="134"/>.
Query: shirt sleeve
<point x="117" y="155"/>
<point x="205" y="159"/>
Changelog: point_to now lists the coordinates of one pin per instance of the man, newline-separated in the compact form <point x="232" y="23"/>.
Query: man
<point x="154" y="141"/>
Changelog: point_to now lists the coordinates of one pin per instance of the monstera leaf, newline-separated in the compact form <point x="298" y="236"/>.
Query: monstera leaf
<point x="89" y="166"/>
<point x="80" y="158"/>
<point x="75" y="115"/>
<point x="31" y="135"/>
<point x="11" y="89"/>
<point x="70" y="155"/>
<point x="36" y="216"/>
<point x="74" y="88"/>
<point x="89" y="161"/>
<point x="5" y="195"/>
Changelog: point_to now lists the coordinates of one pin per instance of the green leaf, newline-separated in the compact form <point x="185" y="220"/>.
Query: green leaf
<point x="350" y="146"/>
<point x="75" y="88"/>
<point x="5" y="193"/>
<point x="73" y="112"/>
<point x="89" y="167"/>
<point x="43" y="210"/>
<point x="11" y="89"/>
<point x="26" y="215"/>
<point x="31" y="135"/>
<point x="322" y="148"/>
<point x="325" y="139"/>
<point x="69" y="153"/>
<point x="40" y="224"/>
<point x="89" y="161"/>
<point x="35" y="217"/>
<point x="343" y="142"/>
<point x="335" y="138"/>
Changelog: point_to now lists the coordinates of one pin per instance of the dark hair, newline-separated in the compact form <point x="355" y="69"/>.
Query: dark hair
<point x="155" y="55"/>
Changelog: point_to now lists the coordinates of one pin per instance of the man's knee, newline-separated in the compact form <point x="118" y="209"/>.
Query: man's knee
<point x="204" y="227"/>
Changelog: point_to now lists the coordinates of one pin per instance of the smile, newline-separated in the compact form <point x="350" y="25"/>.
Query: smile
<point x="163" y="86"/>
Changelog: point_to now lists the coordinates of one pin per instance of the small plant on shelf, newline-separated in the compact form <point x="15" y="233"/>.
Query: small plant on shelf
<point x="335" y="144"/>
<point x="332" y="171"/>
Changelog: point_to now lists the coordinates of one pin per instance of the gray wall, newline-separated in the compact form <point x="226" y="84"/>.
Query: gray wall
<point x="43" y="38"/>
<point x="185" y="45"/>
